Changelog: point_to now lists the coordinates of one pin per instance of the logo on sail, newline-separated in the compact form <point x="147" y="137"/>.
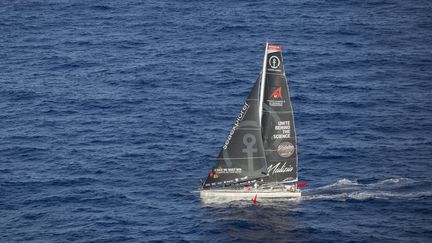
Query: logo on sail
<point x="276" y="98"/>
<point x="274" y="62"/>
<point x="277" y="94"/>
<point x="285" y="149"/>
<point x="282" y="130"/>
<point x="276" y="168"/>
<point x="236" y="124"/>
<point x="220" y="171"/>
<point x="274" y="48"/>
<point x="213" y="174"/>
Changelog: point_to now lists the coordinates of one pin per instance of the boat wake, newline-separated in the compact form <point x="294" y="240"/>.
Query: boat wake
<point x="389" y="189"/>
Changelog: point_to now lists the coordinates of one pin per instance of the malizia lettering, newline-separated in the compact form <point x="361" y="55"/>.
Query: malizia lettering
<point x="236" y="124"/>
<point x="276" y="168"/>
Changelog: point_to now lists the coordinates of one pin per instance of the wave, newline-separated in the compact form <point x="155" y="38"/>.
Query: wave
<point x="361" y="196"/>
<point x="388" y="189"/>
<point x="339" y="183"/>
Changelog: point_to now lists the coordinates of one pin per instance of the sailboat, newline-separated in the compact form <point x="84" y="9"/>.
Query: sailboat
<point x="259" y="156"/>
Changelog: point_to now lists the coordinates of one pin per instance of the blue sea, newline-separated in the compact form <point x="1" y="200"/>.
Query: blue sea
<point x="110" y="112"/>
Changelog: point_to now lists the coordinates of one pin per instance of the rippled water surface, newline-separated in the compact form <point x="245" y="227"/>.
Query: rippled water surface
<point x="111" y="111"/>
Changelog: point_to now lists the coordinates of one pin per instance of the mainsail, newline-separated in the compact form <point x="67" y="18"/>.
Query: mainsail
<point x="242" y="157"/>
<point x="278" y="131"/>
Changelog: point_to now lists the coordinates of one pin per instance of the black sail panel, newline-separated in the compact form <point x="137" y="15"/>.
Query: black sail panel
<point x="278" y="132"/>
<point x="242" y="156"/>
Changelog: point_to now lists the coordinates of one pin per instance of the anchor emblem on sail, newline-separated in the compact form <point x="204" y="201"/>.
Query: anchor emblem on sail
<point x="249" y="140"/>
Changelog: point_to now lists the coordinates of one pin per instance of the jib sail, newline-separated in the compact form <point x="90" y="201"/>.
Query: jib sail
<point x="242" y="156"/>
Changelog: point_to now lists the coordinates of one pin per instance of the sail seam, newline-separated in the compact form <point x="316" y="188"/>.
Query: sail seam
<point x="277" y="74"/>
<point x="283" y="112"/>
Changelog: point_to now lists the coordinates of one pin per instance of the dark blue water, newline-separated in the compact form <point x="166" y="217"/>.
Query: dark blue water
<point x="111" y="110"/>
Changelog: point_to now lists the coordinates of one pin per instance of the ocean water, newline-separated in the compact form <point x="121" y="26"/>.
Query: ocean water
<point x="110" y="112"/>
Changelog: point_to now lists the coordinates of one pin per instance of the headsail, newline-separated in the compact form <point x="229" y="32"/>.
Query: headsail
<point x="278" y="132"/>
<point x="242" y="157"/>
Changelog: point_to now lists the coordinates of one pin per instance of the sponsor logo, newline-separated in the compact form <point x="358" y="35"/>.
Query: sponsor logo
<point x="285" y="149"/>
<point x="277" y="168"/>
<point x="276" y="98"/>
<point x="274" y="62"/>
<point x="277" y="94"/>
<point x="236" y="124"/>
<point x="274" y="47"/>
<point x="220" y="170"/>
<point x="213" y="174"/>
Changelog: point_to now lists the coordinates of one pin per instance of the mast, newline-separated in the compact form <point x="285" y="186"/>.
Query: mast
<point x="262" y="85"/>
